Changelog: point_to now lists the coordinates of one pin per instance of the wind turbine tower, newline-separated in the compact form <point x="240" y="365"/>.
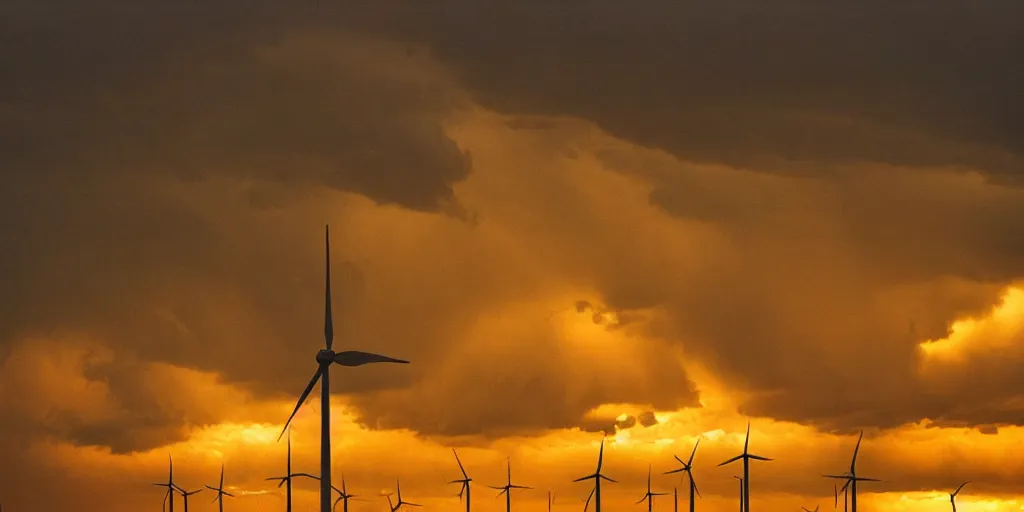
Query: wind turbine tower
<point x="852" y="478"/>
<point x="596" y="477"/>
<point x="170" y="485"/>
<point x="398" y="505"/>
<point x="324" y="359"/>
<point x="185" y="494"/>
<point x="287" y="479"/>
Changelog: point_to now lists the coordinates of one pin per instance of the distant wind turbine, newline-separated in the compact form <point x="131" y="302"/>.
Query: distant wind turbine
<point x="649" y="496"/>
<point x="325" y="358"/>
<point x="507" y="488"/>
<point x="852" y="478"/>
<point x="398" y="505"/>
<point x="220" y="491"/>
<point x="464" y="481"/>
<point x="170" y="485"/>
<point x="597" y="477"/>
<point x="746" y="457"/>
<point x="185" y="494"/>
<point x="952" y="496"/>
<point x="287" y="479"/>
<point x="687" y="467"/>
<point x="343" y="496"/>
<point x="741" y="492"/>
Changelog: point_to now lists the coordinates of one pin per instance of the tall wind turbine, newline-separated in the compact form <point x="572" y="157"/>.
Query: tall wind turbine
<point x="507" y="488"/>
<point x="746" y="457"/>
<point x="324" y="359"/>
<point x="952" y="496"/>
<point x="741" y="492"/>
<point x="852" y="478"/>
<point x="688" y="468"/>
<point x="185" y="494"/>
<point x="649" y="497"/>
<point x="398" y="505"/>
<point x="465" y="480"/>
<point x="170" y="485"/>
<point x="287" y="478"/>
<point x="597" y="477"/>
<point x="220" y="491"/>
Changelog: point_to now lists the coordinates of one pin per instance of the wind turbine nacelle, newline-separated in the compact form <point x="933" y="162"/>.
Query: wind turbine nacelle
<point x="325" y="356"/>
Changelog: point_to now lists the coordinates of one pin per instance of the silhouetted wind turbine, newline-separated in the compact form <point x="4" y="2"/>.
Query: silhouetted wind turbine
<point x="852" y="478"/>
<point x="170" y="485"/>
<point x="465" y="481"/>
<point x="597" y="476"/>
<point x="746" y="457"/>
<point x="185" y="494"/>
<point x="688" y="468"/>
<point x="835" y="492"/>
<point x="952" y="496"/>
<point x="287" y="479"/>
<point x="220" y="491"/>
<point x="343" y="496"/>
<point x="649" y="497"/>
<point x="324" y="359"/>
<point x="741" y="492"/>
<point x="398" y="505"/>
<point x="507" y="488"/>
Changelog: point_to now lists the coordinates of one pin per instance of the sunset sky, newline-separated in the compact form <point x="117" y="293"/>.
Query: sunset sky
<point x="654" y="220"/>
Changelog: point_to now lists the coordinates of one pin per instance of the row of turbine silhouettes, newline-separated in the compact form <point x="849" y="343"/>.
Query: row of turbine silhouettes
<point x="849" y="488"/>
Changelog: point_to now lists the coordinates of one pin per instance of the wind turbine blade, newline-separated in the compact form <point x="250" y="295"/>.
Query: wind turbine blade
<point x="845" y="486"/>
<point x="680" y="470"/>
<point x="302" y="399"/>
<point x="835" y="491"/>
<point x="589" y="496"/>
<point x="730" y="461"/>
<point x="411" y="504"/>
<point x="957" y="491"/>
<point x="464" y="475"/>
<point x="862" y="479"/>
<point x="600" y="457"/>
<point x="608" y="479"/>
<point x="307" y="475"/>
<point x="228" y="494"/>
<point x="746" y="442"/>
<point x="588" y="477"/>
<point x="222" y="476"/>
<point x="212" y="488"/>
<point x="694" y="452"/>
<point x="495" y="488"/>
<point x="519" y="487"/>
<point x="328" y="316"/>
<point x="758" y="457"/>
<point x="641" y="500"/>
<point x="853" y="463"/>
<point x="695" y="489"/>
<point x="678" y="459"/>
<point x="837" y="477"/>
<point x="357" y="358"/>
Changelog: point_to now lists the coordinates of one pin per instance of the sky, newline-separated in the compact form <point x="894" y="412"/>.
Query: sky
<point x="651" y="221"/>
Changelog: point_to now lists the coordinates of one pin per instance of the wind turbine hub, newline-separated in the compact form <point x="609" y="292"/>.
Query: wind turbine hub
<point x="325" y="356"/>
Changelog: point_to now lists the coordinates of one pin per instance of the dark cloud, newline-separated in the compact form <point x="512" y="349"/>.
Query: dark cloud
<point x="745" y="84"/>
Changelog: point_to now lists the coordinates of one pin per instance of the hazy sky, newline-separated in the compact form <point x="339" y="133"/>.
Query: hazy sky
<point x="652" y="219"/>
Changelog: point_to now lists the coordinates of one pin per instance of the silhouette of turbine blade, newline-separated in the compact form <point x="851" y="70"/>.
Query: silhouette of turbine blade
<point x="695" y="489"/>
<point x="588" y="477"/>
<point x="608" y="479"/>
<point x="689" y="463"/>
<point x="641" y="500"/>
<point x="862" y="479"/>
<point x="758" y="457"/>
<point x="730" y="461"/>
<point x="357" y="358"/>
<point x="464" y="475"/>
<point x="519" y="487"/>
<point x="838" y="477"/>
<point x="306" y="475"/>
<point x="328" y="316"/>
<point x="680" y="470"/>
<point x="957" y="491"/>
<point x="225" y="493"/>
<point x="302" y="399"/>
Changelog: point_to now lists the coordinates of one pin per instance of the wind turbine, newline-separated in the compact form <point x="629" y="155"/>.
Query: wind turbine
<point x="507" y="488"/>
<point x="852" y="478"/>
<point x="343" y="496"/>
<point x="816" y="507"/>
<point x="952" y="496"/>
<point x="287" y="479"/>
<point x="597" y="476"/>
<point x="398" y="505"/>
<point x="170" y="485"/>
<point x="324" y="359"/>
<point x="688" y="468"/>
<point x="746" y="457"/>
<point x="649" y="497"/>
<point x="741" y="492"/>
<point x="185" y="494"/>
<point x="465" y="480"/>
<point x="220" y="491"/>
